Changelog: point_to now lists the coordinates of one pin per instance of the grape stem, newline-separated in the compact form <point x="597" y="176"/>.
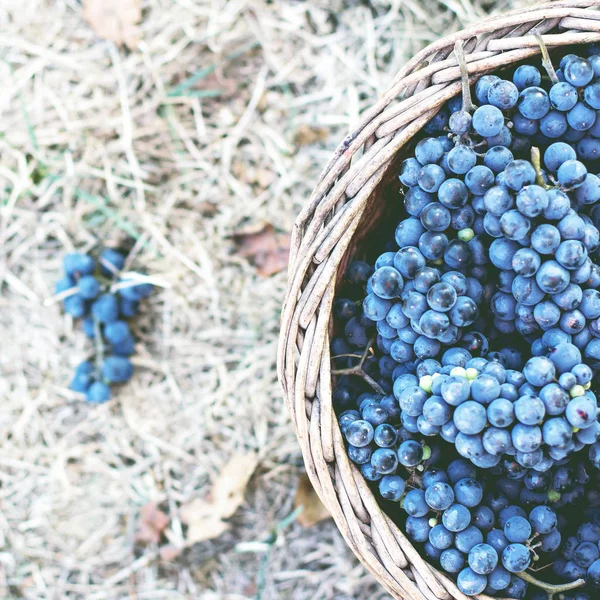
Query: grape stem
<point x="546" y="61"/>
<point x="467" y="102"/>
<point x="358" y="369"/>
<point x="99" y="343"/>
<point x="459" y="52"/>
<point x="550" y="588"/>
<point x="536" y="161"/>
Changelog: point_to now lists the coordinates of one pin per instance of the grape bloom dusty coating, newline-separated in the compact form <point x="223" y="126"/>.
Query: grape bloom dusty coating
<point x="466" y="353"/>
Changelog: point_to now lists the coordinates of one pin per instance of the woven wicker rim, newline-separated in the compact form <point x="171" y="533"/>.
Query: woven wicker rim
<point x="322" y="236"/>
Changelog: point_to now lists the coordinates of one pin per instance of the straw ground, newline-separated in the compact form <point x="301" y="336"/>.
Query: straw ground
<point x="220" y="120"/>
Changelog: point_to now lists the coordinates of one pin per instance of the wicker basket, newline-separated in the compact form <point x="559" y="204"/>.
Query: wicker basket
<point x="326" y="233"/>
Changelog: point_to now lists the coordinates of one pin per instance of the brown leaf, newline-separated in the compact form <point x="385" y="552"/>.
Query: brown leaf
<point x="265" y="177"/>
<point x="115" y="20"/>
<point x="204" y="517"/>
<point x="153" y="522"/>
<point x="314" y="510"/>
<point x="230" y="486"/>
<point x="306" y="135"/>
<point x="216" y="82"/>
<point x="169" y="552"/>
<point x="208" y="209"/>
<point x="250" y="589"/>
<point x="203" y="520"/>
<point x="267" y="249"/>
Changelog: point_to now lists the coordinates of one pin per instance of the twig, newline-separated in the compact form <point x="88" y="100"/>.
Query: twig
<point x="459" y="52"/>
<point x="546" y="61"/>
<point x="358" y="369"/>
<point x="109" y="266"/>
<point x="132" y="279"/>
<point x="363" y="356"/>
<point x="61" y="296"/>
<point x="550" y="588"/>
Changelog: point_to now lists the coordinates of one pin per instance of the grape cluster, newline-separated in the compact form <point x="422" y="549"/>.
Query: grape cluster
<point x="98" y="293"/>
<point x="472" y="342"/>
<point x="580" y="555"/>
<point x="489" y="411"/>
<point x="481" y="537"/>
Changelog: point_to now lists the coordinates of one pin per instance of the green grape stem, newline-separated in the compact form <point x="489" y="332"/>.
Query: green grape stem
<point x="536" y="161"/>
<point x="546" y="61"/>
<point x="467" y="102"/>
<point x="549" y="588"/>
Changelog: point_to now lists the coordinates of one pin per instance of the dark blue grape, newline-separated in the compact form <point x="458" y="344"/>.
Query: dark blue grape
<point x="135" y="291"/>
<point x="75" y="306"/>
<point x="453" y="193"/>
<point x="117" y="369"/>
<point x="98" y="393"/>
<point x="453" y="561"/>
<point x="503" y="94"/>
<point x="578" y="72"/>
<point x="359" y="433"/>
<point x="78" y="264"/>
<point x="461" y="159"/>
<point x="456" y="518"/>
<point x="533" y="102"/>
<point x="391" y="487"/>
<point x="526" y="76"/>
<point x="482" y="87"/>
<point x="471" y="583"/>
<point x="516" y="558"/>
<point x="106" y="308"/>
<point x="435" y="217"/>
<point x="410" y="453"/>
<point x="460" y="122"/>
<point x="111" y="261"/>
<point x="418" y="528"/>
<point x="89" y="287"/>
<point x="488" y="120"/>
<point x="554" y="125"/>
<point x="428" y="151"/>
<point x="563" y="96"/>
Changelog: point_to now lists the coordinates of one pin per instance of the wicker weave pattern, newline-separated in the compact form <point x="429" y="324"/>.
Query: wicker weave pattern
<point x="321" y="237"/>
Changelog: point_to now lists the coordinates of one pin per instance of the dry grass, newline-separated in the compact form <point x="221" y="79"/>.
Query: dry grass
<point x="98" y="145"/>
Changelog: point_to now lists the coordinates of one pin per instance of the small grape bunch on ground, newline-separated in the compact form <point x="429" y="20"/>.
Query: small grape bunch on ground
<point x="98" y="293"/>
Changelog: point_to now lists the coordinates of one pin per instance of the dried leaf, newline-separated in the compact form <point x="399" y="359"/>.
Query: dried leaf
<point x="314" y="510"/>
<point x="208" y="209"/>
<point x="204" y="517"/>
<point x="230" y="486"/>
<point x="217" y="83"/>
<point x="153" y="522"/>
<point x="115" y="20"/>
<point x="265" y="177"/>
<point x="306" y="135"/>
<point x="169" y="552"/>
<point x="250" y="589"/>
<point x="267" y="249"/>
<point x="203" y="520"/>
